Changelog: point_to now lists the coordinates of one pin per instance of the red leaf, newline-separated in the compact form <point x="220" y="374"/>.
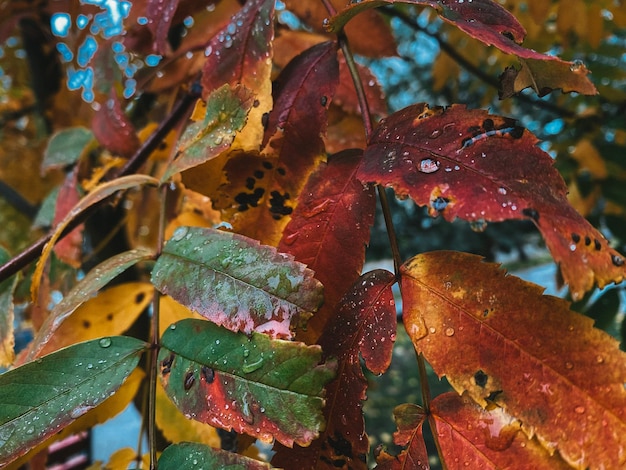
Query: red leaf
<point x="68" y="249"/>
<point x="409" y="419"/>
<point x="491" y="24"/>
<point x="331" y="221"/>
<point x="160" y="14"/>
<point x="366" y="324"/>
<point x="113" y="129"/>
<point x="240" y="48"/>
<point x="478" y="438"/>
<point x="479" y="167"/>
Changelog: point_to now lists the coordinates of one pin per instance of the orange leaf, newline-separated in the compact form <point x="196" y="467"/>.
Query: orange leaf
<point x="471" y="437"/>
<point x="409" y="419"/>
<point x="496" y="337"/>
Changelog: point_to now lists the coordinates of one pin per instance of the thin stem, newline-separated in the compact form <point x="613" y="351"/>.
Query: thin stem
<point x="391" y="231"/>
<point x="425" y="388"/>
<point x="154" y="339"/>
<point x="181" y="109"/>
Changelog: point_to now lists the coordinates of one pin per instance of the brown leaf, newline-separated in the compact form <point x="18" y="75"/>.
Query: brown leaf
<point x="480" y="167"/>
<point x="470" y="437"/>
<point x="409" y="419"/>
<point x="498" y="339"/>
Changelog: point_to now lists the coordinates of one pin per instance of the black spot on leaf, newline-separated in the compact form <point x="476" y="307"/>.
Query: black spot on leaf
<point x="481" y="378"/>
<point x="140" y="297"/>
<point x="190" y="379"/>
<point x="208" y="374"/>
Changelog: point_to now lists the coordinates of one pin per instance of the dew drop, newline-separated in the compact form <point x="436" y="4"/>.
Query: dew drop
<point x="599" y="359"/>
<point x="432" y="329"/>
<point x="104" y="342"/>
<point x="617" y="260"/>
<point x="569" y="365"/>
<point x="249" y="367"/>
<point x="449" y="331"/>
<point x="434" y="134"/>
<point x="428" y="165"/>
<point x="502" y="191"/>
<point x="577" y="66"/>
<point x="180" y="233"/>
<point x="580" y="410"/>
<point x="479" y="225"/>
<point x="173" y="327"/>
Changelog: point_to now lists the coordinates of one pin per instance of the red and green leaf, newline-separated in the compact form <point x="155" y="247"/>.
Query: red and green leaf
<point x="226" y="113"/>
<point x="409" y="419"/>
<point x="190" y="456"/>
<point x="65" y="147"/>
<point x="497" y="338"/>
<point x="469" y="436"/>
<point x="365" y="325"/>
<point x="69" y="248"/>
<point x="262" y="190"/>
<point x="251" y="384"/>
<point x="42" y="397"/>
<point x="236" y="282"/>
<point x="331" y="222"/>
<point x="480" y="167"/>
<point x="493" y="25"/>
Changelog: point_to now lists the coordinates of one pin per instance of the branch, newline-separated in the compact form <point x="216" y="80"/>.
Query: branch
<point x="471" y="68"/>
<point x="181" y="109"/>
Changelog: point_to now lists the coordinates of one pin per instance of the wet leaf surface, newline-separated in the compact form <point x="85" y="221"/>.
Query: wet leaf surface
<point x="255" y="385"/>
<point x="236" y="282"/>
<point x="113" y="129"/>
<point x="498" y="339"/>
<point x="331" y="221"/>
<point x="364" y="326"/>
<point x="190" y="456"/>
<point x="41" y="397"/>
<point x="493" y="25"/>
<point x="480" y="167"/>
<point x="471" y="437"/>
<point x="226" y="113"/>
<point x="409" y="419"/>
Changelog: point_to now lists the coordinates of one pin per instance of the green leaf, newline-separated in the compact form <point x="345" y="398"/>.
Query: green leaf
<point x="41" y="397"/>
<point x="255" y="385"/>
<point x="235" y="282"/>
<point x="65" y="147"/>
<point x="191" y="456"/>
<point x="226" y="113"/>
<point x="95" y="280"/>
<point x="7" y="339"/>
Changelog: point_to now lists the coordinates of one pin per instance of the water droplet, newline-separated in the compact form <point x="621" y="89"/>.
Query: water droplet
<point x="432" y="329"/>
<point x="502" y="191"/>
<point x="434" y="134"/>
<point x="180" y="233"/>
<point x="173" y="327"/>
<point x="246" y="352"/>
<point x="580" y="410"/>
<point x="104" y="342"/>
<point x="569" y="365"/>
<point x="291" y="238"/>
<point x="577" y="66"/>
<point x="428" y="165"/>
<point x="617" y="260"/>
<point x="599" y="359"/>
<point x="449" y="331"/>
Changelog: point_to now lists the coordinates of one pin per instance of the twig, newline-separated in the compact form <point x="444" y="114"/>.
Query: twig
<point x="180" y="110"/>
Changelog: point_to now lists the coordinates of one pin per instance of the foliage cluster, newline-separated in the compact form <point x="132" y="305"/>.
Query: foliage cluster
<point x="209" y="173"/>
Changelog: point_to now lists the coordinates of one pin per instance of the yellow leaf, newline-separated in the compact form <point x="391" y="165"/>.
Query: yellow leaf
<point x="445" y="70"/>
<point x="111" y="313"/>
<point x="123" y="458"/>
<point x="588" y="157"/>
<point x="176" y="428"/>
<point x="171" y="312"/>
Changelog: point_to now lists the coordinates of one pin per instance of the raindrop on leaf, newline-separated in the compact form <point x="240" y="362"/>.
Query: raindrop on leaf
<point x="104" y="342"/>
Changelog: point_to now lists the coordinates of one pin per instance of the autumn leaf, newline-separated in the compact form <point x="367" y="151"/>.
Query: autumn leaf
<point x="470" y="437"/>
<point x="480" y="167"/>
<point x="235" y="282"/>
<point x="493" y="25"/>
<point x="261" y="191"/>
<point x="189" y="456"/>
<point x="365" y="325"/>
<point x="409" y="419"/>
<point x="95" y="280"/>
<point x="113" y="129"/>
<point x="7" y="338"/>
<point x="43" y="396"/>
<point x="226" y="113"/>
<point x="68" y="249"/>
<point x="65" y="147"/>
<point x="159" y="14"/>
<point x="331" y="222"/>
<point x="110" y="313"/>
<point x="251" y="384"/>
<point x="497" y="338"/>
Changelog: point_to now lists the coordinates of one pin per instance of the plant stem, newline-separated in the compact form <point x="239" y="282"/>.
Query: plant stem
<point x="154" y="338"/>
<point x="180" y="110"/>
